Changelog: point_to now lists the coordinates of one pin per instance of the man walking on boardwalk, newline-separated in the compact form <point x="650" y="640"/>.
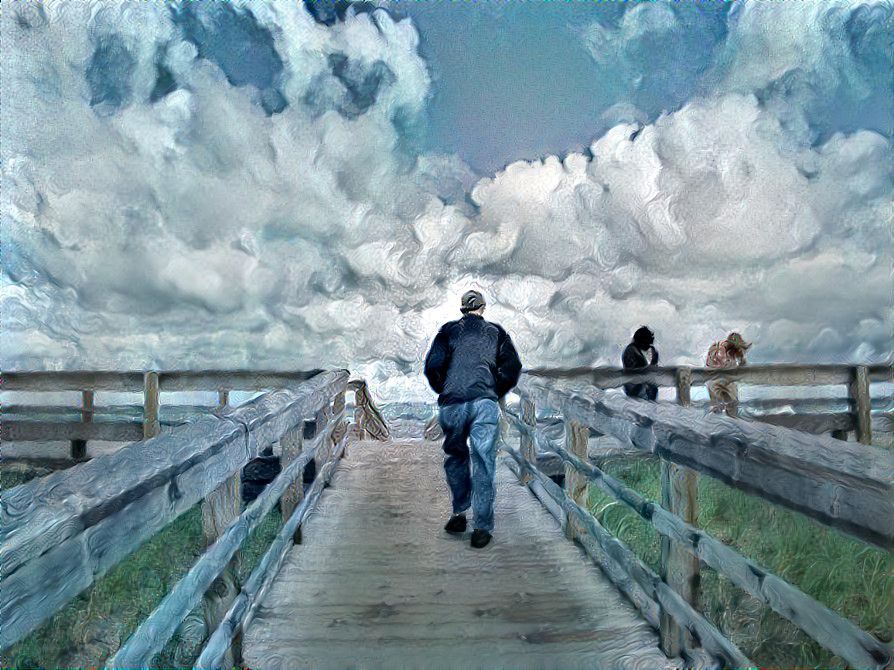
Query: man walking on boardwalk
<point x="472" y="363"/>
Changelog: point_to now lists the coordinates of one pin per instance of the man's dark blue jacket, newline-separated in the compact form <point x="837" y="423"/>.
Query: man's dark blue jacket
<point x="470" y="359"/>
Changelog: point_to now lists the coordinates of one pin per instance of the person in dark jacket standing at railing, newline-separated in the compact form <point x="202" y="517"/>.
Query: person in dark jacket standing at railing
<point x="640" y="355"/>
<point x="472" y="363"/>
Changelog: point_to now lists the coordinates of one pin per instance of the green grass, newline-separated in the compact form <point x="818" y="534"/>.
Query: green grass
<point x="851" y="578"/>
<point x="94" y="625"/>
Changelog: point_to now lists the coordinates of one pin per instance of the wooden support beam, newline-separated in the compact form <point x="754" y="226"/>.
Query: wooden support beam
<point x="292" y="444"/>
<point x="221" y="508"/>
<point x="859" y="391"/>
<point x="684" y="385"/>
<point x="79" y="446"/>
<point x="529" y="418"/>
<point x="576" y="437"/>
<point x="151" y="427"/>
<point x="341" y="426"/>
<point x="679" y="567"/>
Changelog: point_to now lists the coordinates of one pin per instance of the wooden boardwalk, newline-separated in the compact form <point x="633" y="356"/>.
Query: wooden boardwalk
<point x="377" y="583"/>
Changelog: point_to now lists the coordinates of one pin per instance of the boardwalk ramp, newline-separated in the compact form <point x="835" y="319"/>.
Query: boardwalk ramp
<point x="377" y="582"/>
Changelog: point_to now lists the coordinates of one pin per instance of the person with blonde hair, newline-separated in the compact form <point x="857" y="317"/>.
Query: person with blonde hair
<point x="727" y="354"/>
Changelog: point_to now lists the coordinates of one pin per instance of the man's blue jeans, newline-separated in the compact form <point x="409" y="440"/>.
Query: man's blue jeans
<point x="470" y="438"/>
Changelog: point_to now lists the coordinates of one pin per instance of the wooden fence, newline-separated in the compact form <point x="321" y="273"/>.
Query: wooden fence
<point x="846" y="485"/>
<point x="860" y="418"/>
<point x="150" y="384"/>
<point x="62" y="532"/>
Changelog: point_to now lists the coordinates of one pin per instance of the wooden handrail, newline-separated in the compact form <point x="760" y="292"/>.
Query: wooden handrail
<point x="160" y="626"/>
<point x="846" y="485"/>
<point x="46" y="560"/>
<point x="867" y="475"/>
<point x="168" y="381"/>
<point x="823" y="624"/>
<point x="775" y="374"/>
<point x="613" y="556"/>
<point x="242" y="610"/>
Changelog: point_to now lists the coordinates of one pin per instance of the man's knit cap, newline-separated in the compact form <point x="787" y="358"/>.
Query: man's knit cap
<point x="471" y="301"/>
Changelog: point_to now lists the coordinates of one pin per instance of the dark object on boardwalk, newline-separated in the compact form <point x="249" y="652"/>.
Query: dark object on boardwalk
<point x="471" y="364"/>
<point x="456" y="525"/>
<point x="480" y="538"/>
<point x="257" y="474"/>
<point x="640" y="355"/>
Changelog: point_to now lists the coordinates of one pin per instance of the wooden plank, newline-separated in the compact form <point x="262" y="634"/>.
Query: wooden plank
<point x="881" y="373"/>
<point x="72" y="381"/>
<point x="846" y="485"/>
<point x="233" y="380"/>
<point x="772" y="375"/>
<point x="828" y="628"/>
<point x="151" y="427"/>
<point x="883" y="422"/>
<point x="33" y="431"/>
<point x="407" y="594"/>
<point x="816" y="424"/>
<point x="186" y="380"/>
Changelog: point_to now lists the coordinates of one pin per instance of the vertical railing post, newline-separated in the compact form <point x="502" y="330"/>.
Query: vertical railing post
<point x="150" y="405"/>
<point x="292" y="446"/>
<point x="679" y="567"/>
<point x="340" y="428"/>
<point x="79" y="446"/>
<point x="684" y="386"/>
<point x="529" y="418"/>
<point x="219" y="509"/>
<point x="576" y="439"/>
<point x="861" y="403"/>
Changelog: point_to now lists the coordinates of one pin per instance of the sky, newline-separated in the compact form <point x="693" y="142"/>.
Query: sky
<point x="290" y="185"/>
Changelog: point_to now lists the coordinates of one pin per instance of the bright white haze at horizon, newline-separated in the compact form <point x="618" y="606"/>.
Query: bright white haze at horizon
<point x="278" y="185"/>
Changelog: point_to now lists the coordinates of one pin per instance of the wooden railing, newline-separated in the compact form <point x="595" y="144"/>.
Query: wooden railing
<point x="150" y="384"/>
<point x="845" y="485"/>
<point x="860" y="418"/>
<point x="60" y="533"/>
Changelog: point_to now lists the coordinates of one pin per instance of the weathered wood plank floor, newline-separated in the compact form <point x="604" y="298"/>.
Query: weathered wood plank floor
<point x="378" y="583"/>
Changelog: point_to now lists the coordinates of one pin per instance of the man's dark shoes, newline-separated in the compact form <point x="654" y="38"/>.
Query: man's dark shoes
<point x="480" y="538"/>
<point x="456" y="525"/>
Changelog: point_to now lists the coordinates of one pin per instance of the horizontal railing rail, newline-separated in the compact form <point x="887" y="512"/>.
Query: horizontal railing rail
<point x="152" y="635"/>
<point x="858" y="418"/>
<point x="645" y="589"/>
<point x="173" y="380"/>
<point x="867" y="474"/>
<point x="63" y="531"/>
<point x="846" y="485"/>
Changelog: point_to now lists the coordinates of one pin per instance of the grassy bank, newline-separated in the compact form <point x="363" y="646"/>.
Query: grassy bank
<point x="855" y="580"/>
